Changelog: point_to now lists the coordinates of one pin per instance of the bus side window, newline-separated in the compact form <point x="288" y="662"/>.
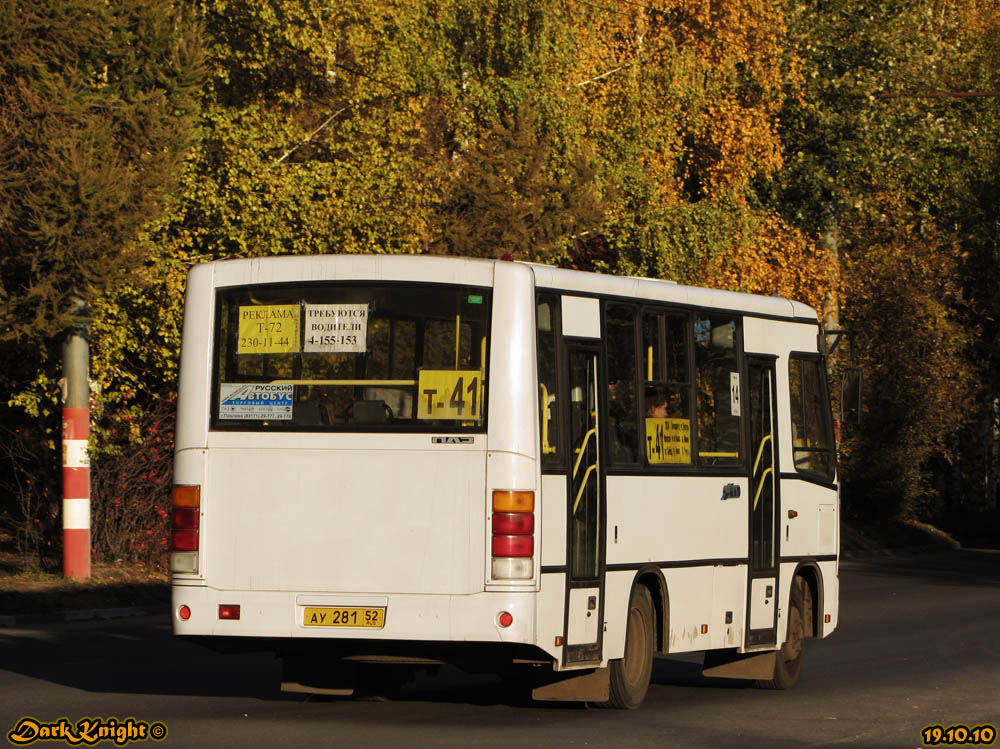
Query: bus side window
<point x="619" y="324"/>
<point x="549" y="402"/>
<point x="812" y="435"/>
<point x="666" y="376"/>
<point x="718" y="388"/>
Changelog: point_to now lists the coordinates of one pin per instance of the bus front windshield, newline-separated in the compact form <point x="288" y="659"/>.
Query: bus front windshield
<point x="351" y="357"/>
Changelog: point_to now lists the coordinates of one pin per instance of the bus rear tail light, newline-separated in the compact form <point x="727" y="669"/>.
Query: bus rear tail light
<point x="185" y="524"/>
<point x="229" y="611"/>
<point x="514" y="523"/>
<point x="513" y="541"/>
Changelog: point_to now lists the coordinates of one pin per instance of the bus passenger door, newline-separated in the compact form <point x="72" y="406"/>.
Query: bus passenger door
<point x="585" y="513"/>
<point x="762" y="604"/>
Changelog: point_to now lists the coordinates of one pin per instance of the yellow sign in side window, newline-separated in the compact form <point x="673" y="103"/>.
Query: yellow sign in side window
<point x="268" y="329"/>
<point x="668" y="441"/>
<point x="450" y="394"/>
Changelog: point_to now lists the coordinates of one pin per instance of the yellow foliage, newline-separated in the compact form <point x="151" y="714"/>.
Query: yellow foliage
<point x="770" y="257"/>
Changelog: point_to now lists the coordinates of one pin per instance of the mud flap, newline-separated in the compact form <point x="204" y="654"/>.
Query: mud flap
<point x="728" y="664"/>
<point x="575" y="686"/>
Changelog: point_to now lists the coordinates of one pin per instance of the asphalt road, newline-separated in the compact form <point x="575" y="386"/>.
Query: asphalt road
<point x="918" y="644"/>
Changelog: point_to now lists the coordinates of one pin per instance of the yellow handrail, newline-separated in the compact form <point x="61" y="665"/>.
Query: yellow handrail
<point x="583" y="485"/>
<point x="547" y="449"/>
<point x="582" y="448"/>
<point x="718" y="455"/>
<point x="397" y="383"/>
<point x="760" y="452"/>
<point x="761" y="485"/>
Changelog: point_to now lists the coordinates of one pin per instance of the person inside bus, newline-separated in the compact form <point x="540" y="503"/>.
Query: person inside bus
<point x="622" y="417"/>
<point x="662" y="404"/>
<point x="316" y="409"/>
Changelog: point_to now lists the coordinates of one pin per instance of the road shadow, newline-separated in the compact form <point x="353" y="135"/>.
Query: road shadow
<point x="952" y="567"/>
<point x="141" y="656"/>
<point x="685" y="671"/>
<point x="55" y="600"/>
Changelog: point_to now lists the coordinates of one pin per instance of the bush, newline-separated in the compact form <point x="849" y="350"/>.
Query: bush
<point x="130" y="485"/>
<point x="32" y="489"/>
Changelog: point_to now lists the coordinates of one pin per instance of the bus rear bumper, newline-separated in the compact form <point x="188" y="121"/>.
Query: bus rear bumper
<point x="280" y="615"/>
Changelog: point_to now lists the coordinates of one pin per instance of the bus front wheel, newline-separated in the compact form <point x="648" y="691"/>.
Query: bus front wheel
<point x="788" y="662"/>
<point x="629" y="676"/>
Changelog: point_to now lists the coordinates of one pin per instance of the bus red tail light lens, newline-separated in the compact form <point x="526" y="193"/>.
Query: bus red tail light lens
<point x="513" y="523"/>
<point x="185" y="517"/>
<point x="183" y="540"/>
<point x="513" y="546"/>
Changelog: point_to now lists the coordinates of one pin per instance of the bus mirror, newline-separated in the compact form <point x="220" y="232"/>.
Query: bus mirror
<point x="851" y="386"/>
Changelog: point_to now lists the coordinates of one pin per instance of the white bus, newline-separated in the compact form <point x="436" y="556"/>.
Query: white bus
<point x="422" y="460"/>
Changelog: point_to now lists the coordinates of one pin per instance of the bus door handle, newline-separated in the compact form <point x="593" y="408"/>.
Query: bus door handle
<point x="730" y="490"/>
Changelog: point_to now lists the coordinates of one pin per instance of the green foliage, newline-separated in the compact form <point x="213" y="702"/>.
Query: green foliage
<point x="888" y="157"/>
<point x="97" y="101"/>
<point x="506" y="201"/>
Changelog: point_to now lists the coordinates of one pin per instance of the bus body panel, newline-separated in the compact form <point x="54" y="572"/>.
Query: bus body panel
<point x="550" y="613"/>
<point x="831" y="595"/>
<point x="194" y="384"/>
<point x="505" y="470"/>
<point x="675" y="518"/>
<point x="408" y="617"/>
<point x="513" y="402"/>
<point x="388" y="520"/>
<point x="553" y="517"/>
<point x="809" y="519"/>
<point x="574" y="282"/>
<point x="334" y="268"/>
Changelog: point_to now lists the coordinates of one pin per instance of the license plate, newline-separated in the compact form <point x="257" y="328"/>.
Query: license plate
<point x="344" y="616"/>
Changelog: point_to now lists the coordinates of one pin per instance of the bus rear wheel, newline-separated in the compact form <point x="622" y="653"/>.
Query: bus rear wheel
<point x="788" y="661"/>
<point x="629" y="676"/>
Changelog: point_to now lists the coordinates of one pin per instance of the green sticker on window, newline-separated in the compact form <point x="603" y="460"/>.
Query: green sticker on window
<point x="475" y="299"/>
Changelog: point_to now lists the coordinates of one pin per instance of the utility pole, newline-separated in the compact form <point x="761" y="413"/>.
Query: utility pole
<point x="75" y="460"/>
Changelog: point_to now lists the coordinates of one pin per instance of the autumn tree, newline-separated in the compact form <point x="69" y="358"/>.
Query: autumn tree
<point x="884" y="154"/>
<point x="97" y="106"/>
<point x="98" y="102"/>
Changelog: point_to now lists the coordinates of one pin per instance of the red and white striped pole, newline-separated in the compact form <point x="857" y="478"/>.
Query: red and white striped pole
<point x="75" y="460"/>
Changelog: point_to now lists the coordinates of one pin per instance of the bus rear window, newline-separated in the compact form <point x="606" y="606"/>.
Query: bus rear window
<point x="358" y="357"/>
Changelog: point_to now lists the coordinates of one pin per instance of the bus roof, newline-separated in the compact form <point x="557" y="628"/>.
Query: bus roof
<point x="479" y="272"/>
<point x="547" y="276"/>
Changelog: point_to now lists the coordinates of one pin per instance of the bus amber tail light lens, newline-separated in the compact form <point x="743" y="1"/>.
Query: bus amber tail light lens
<point x="186" y="495"/>
<point x="513" y="541"/>
<point x="185" y="522"/>
<point x="512" y="501"/>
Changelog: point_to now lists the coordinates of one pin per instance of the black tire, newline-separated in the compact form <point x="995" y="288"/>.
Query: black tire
<point x="629" y="676"/>
<point x="788" y="662"/>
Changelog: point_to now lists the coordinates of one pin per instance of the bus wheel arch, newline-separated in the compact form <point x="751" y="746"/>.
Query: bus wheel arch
<point x="652" y="579"/>
<point x="810" y="577"/>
